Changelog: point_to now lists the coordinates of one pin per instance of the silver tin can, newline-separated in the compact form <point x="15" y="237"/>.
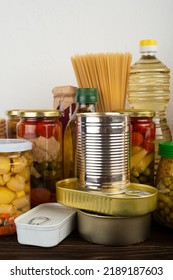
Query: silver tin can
<point x="103" y="151"/>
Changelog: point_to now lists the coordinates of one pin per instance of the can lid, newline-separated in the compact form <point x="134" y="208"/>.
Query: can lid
<point x="166" y="149"/>
<point x="13" y="112"/>
<point x="14" y="145"/>
<point x="39" y="113"/>
<point x="148" y="45"/>
<point x="86" y="95"/>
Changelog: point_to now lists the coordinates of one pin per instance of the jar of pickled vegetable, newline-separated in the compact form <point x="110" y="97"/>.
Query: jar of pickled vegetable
<point x="11" y="123"/>
<point x="44" y="130"/>
<point x="15" y="164"/>
<point x="164" y="184"/>
<point x="142" y="147"/>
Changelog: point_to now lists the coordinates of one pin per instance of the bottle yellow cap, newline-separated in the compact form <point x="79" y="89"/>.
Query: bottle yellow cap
<point x="148" y="42"/>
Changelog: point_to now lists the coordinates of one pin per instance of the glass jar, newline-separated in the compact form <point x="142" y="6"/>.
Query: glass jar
<point x="15" y="164"/>
<point x="164" y="183"/>
<point x="142" y="147"/>
<point x="44" y="130"/>
<point x="11" y="122"/>
<point x="64" y="101"/>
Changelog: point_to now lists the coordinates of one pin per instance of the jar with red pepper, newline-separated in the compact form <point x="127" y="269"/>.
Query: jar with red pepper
<point x="44" y="130"/>
<point x="142" y="147"/>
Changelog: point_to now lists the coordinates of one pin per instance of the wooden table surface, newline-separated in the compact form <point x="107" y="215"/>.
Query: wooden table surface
<point x="159" y="246"/>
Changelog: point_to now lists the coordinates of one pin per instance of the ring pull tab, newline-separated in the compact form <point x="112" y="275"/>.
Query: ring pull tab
<point x="38" y="221"/>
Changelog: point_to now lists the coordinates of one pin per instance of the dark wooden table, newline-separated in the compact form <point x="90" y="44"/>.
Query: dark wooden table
<point x="158" y="247"/>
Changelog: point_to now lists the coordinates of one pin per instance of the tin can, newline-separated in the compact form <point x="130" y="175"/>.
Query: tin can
<point x="11" y="123"/>
<point x="44" y="130"/>
<point x="142" y="147"/>
<point x="102" y="154"/>
<point x="136" y="200"/>
<point x="15" y="164"/>
<point x="109" y="230"/>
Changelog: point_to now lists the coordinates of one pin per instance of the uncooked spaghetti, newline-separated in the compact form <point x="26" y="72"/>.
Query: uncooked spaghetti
<point x="109" y="73"/>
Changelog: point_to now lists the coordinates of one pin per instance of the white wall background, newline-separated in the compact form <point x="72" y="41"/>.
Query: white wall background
<point x="38" y="37"/>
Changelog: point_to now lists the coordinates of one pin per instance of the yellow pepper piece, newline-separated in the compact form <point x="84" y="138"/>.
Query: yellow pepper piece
<point x="6" y="195"/>
<point x="4" y="165"/>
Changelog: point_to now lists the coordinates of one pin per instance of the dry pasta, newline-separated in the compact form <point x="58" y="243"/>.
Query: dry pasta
<point x="108" y="72"/>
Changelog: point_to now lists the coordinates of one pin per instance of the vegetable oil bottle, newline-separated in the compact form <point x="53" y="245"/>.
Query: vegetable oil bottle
<point x="149" y="89"/>
<point x="86" y="99"/>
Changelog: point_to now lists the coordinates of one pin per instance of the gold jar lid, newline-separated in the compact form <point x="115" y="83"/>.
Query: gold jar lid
<point x="141" y="113"/>
<point x="135" y="200"/>
<point x="137" y="112"/>
<point x="11" y="113"/>
<point x="39" y="113"/>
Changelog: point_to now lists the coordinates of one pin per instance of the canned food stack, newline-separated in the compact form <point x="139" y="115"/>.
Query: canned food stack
<point x="110" y="209"/>
<point x="102" y="153"/>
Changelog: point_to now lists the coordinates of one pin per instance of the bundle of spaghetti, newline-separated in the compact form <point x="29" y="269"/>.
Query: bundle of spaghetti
<point x="108" y="72"/>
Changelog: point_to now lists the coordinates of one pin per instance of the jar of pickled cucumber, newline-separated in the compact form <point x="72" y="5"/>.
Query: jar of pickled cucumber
<point x="44" y="130"/>
<point x="142" y="147"/>
<point x="11" y="123"/>
<point x="164" y="184"/>
<point x="15" y="164"/>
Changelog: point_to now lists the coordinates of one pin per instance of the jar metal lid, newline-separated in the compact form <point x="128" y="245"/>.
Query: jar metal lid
<point x="137" y="112"/>
<point x="141" y="113"/>
<point x="14" y="145"/>
<point x="39" y="113"/>
<point x="166" y="149"/>
<point x="13" y="112"/>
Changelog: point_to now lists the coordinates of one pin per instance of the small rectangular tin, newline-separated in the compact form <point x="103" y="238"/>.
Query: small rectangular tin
<point x="45" y="225"/>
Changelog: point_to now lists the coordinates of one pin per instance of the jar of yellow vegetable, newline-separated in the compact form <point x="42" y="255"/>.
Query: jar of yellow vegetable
<point x="15" y="163"/>
<point x="164" y="184"/>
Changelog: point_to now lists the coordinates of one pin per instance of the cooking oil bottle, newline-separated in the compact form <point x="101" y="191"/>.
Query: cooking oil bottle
<point x="86" y="99"/>
<point x="149" y="88"/>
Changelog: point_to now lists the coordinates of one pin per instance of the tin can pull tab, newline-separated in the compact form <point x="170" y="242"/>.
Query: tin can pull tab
<point x="38" y="221"/>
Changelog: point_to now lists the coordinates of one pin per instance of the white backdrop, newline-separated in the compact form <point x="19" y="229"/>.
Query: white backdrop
<point x="38" y="37"/>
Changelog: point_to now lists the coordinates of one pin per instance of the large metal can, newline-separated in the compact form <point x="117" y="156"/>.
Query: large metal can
<point x="44" y="130"/>
<point x="103" y="147"/>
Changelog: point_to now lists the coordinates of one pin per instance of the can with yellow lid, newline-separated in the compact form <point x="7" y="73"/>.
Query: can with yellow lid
<point x="44" y="130"/>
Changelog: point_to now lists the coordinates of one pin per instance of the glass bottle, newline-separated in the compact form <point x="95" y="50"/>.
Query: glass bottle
<point x="149" y="89"/>
<point x="86" y="99"/>
<point x="44" y="130"/>
<point x="164" y="183"/>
